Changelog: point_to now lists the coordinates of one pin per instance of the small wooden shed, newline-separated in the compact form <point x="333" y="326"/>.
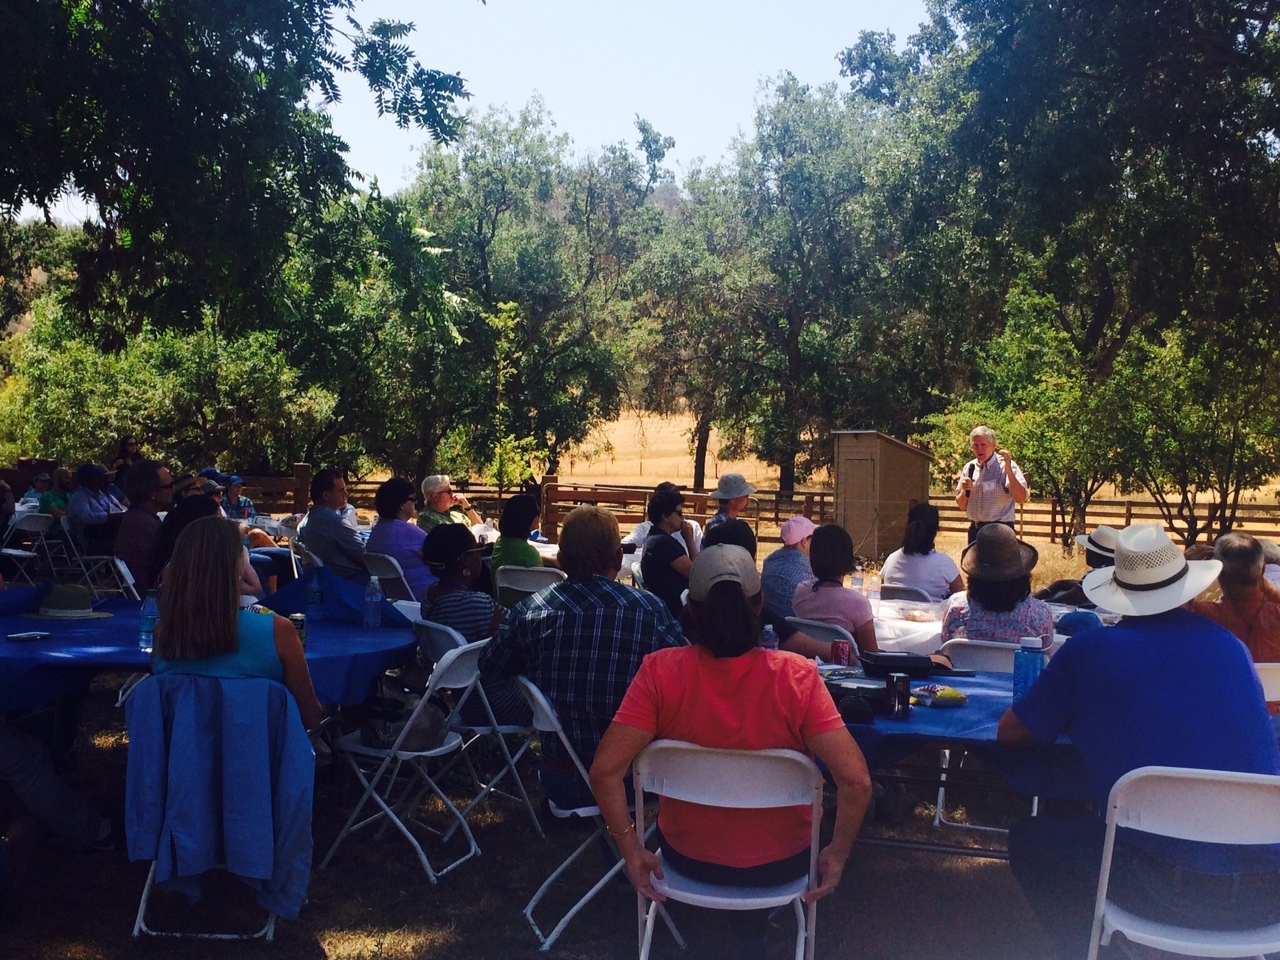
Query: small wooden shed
<point x="877" y="479"/>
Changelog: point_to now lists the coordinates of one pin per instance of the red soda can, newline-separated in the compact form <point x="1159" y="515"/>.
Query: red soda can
<point x="840" y="652"/>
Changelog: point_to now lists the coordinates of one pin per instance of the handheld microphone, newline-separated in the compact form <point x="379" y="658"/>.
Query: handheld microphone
<point x="972" y="468"/>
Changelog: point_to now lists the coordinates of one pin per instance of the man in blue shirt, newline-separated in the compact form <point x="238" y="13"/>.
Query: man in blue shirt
<point x="1162" y="687"/>
<point x="788" y="566"/>
<point x="323" y="532"/>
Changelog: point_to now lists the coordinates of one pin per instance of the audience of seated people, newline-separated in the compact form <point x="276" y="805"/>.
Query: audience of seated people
<point x="826" y="598"/>
<point x="325" y="532"/>
<point x="726" y="692"/>
<point x="998" y="605"/>
<point x="916" y="563"/>
<point x="519" y="518"/>
<point x="788" y="566"/>
<point x="581" y="641"/>
<point x="666" y="560"/>
<point x="397" y="536"/>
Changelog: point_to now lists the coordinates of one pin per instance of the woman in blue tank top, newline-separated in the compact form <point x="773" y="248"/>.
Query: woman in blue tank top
<point x="202" y="629"/>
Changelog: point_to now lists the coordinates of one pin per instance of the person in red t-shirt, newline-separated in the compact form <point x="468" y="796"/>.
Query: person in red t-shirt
<point x="727" y="692"/>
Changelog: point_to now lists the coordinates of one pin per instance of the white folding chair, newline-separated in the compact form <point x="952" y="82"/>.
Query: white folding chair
<point x="820" y="630"/>
<point x="899" y="591"/>
<point x="436" y="639"/>
<point x="126" y="580"/>
<point x="29" y="528"/>
<point x="1269" y="674"/>
<point x="303" y="559"/>
<point x="95" y="569"/>
<point x="992" y="657"/>
<point x="1209" y="806"/>
<point x="526" y="580"/>
<point x="738" y="779"/>
<point x="466" y="667"/>
<point x="379" y="769"/>
<point x="390" y="574"/>
<point x="546" y="722"/>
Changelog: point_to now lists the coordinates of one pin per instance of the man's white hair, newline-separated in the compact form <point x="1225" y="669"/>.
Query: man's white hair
<point x="983" y="431"/>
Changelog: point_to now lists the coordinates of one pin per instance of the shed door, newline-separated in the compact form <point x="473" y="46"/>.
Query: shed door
<point x="856" y="501"/>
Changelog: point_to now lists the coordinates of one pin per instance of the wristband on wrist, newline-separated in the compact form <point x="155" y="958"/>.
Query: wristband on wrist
<point x="618" y="836"/>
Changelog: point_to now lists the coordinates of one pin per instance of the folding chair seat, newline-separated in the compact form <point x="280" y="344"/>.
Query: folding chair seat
<point x="28" y="528"/>
<point x="742" y="779"/>
<point x="525" y="580"/>
<point x="98" y="571"/>
<point x="1208" y="806"/>
<point x="898" y="591"/>
<point x="390" y="574"/>
<point x="188" y="735"/>
<point x="379" y="772"/>
<point x="546" y="722"/>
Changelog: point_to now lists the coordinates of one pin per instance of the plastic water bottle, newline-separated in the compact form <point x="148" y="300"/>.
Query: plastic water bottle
<point x="373" y="604"/>
<point x="769" y="637"/>
<point x="147" y="621"/>
<point x="315" y="600"/>
<point x="873" y="593"/>
<point x="1028" y="661"/>
<point x="856" y="583"/>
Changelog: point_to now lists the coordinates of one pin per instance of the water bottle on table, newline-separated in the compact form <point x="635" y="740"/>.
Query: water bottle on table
<point x="147" y="621"/>
<point x="873" y="593"/>
<point x="769" y="637"/>
<point x="1028" y="661"/>
<point x="373" y="604"/>
<point x="856" y="583"/>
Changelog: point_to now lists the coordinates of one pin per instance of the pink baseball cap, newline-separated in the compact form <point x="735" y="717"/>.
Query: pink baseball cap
<point x="796" y="529"/>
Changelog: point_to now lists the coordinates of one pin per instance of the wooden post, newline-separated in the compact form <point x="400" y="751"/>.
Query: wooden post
<point x="550" y="527"/>
<point x="301" y="487"/>
<point x="1128" y="512"/>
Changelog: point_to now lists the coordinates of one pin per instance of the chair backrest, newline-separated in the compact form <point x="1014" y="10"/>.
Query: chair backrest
<point x="458" y="669"/>
<point x="985" y="655"/>
<point x="33" y="522"/>
<point x="390" y="574"/>
<point x="435" y="639"/>
<point x="821" y="631"/>
<point x="126" y="579"/>
<point x="545" y="720"/>
<point x="1269" y="674"/>
<point x="750" y="779"/>
<point x="1211" y="806"/>
<point x="306" y="559"/>
<point x="526" y="579"/>
<point x="899" y="591"/>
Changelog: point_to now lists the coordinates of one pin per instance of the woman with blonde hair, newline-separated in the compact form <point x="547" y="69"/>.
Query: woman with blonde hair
<point x="202" y="629"/>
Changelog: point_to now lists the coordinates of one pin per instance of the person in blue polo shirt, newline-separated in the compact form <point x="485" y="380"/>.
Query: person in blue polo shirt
<point x="1167" y="687"/>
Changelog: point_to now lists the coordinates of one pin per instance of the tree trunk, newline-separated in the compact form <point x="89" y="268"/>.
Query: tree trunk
<point x="701" y="440"/>
<point x="787" y="473"/>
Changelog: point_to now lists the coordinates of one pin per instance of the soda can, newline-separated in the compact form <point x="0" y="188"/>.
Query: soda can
<point x="840" y="652"/>
<point x="299" y="622"/>
<point x="899" y="696"/>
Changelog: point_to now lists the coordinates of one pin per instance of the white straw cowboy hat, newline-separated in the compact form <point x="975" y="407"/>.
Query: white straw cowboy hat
<point x="732" y="485"/>
<point x="1150" y="576"/>
<point x="1101" y="541"/>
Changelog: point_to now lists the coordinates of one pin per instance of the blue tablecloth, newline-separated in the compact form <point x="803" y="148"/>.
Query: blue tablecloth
<point x="344" y="658"/>
<point x="1049" y="771"/>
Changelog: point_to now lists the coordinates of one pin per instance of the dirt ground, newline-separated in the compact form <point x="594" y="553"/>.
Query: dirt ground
<point x="374" y="901"/>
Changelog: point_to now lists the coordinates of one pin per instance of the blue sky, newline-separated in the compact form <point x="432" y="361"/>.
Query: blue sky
<point x="691" y="68"/>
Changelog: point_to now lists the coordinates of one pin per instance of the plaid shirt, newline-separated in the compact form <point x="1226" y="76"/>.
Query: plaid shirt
<point x="581" y="641"/>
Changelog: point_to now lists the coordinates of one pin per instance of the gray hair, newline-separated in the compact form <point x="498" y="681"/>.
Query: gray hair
<point x="1241" y="557"/>
<point x="983" y="431"/>
<point x="434" y="484"/>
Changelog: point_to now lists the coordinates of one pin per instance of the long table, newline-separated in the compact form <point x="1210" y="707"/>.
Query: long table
<point x="343" y="658"/>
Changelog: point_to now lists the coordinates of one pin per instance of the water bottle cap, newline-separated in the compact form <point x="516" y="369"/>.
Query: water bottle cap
<point x="1031" y="643"/>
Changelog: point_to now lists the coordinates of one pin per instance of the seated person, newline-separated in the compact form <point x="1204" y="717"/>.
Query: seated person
<point x="324" y="532"/>
<point x="732" y="493"/>
<point x="441" y="505"/>
<point x="95" y="514"/>
<point x="666" y="561"/>
<point x="180" y="516"/>
<point x="788" y="566"/>
<point x="513" y="549"/>
<point x="826" y="598"/>
<point x="1250" y="604"/>
<point x="202" y="629"/>
<point x="581" y="641"/>
<point x="40" y="484"/>
<point x="54" y="501"/>
<point x="1162" y="687"/>
<point x="395" y="534"/>
<point x="454" y="600"/>
<point x="917" y="563"/>
<point x="235" y="505"/>
<point x="698" y="694"/>
<point x="998" y="605"/>
<point x="634" y="541"/>
<point x="1099" y="552"/>
<point x="186" y="485"/>
<point x="150" y="491"/>
<point x="739" y="533"/>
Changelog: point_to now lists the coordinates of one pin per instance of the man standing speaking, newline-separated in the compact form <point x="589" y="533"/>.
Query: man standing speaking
<point x="990" y="484"/>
